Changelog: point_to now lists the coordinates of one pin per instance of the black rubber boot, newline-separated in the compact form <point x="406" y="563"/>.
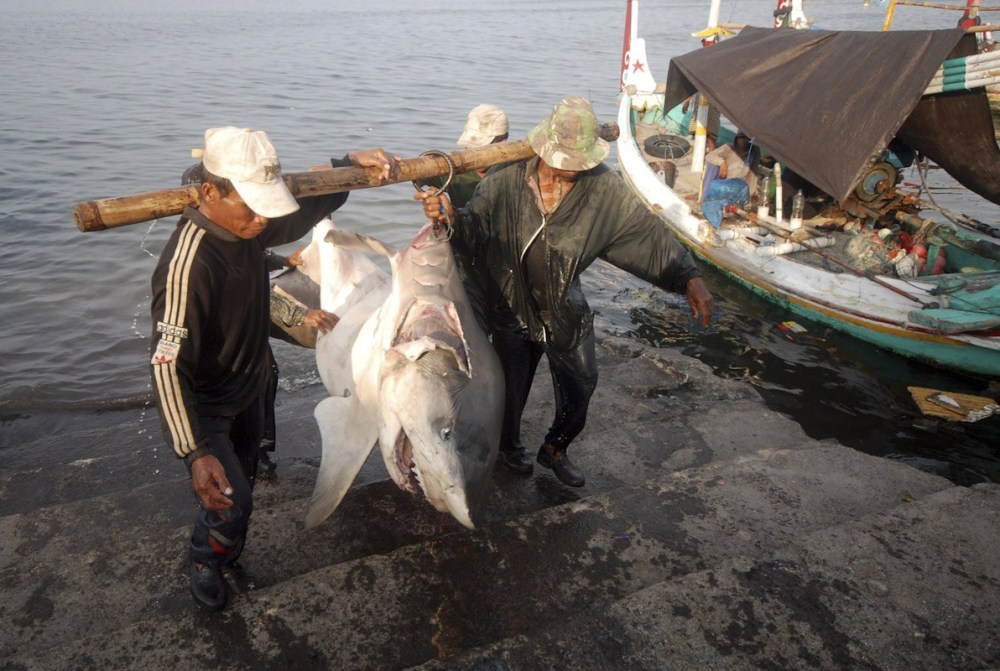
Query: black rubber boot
<point x="517" y="460"/>
<point x="207" y="586"/>
<point x="561" y="465"/>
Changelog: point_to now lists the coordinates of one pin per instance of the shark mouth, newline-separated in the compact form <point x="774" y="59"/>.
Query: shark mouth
<point x="427" y="326"/>
<point x="407" y="465"/>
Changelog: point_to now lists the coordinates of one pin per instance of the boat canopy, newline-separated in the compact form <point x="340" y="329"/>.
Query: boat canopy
<point x="827" y="103"/>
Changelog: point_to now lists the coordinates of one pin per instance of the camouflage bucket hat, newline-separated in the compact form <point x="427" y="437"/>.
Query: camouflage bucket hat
<point x="568" y="139"/>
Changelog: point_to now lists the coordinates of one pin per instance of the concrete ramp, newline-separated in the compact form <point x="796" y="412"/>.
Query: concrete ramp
<point x="712" y="533"/>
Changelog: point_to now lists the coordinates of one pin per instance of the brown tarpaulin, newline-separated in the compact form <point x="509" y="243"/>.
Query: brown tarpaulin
<point x="825" y="103"/>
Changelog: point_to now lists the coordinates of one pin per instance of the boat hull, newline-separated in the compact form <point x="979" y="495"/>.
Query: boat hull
<point x="852" y="304"/>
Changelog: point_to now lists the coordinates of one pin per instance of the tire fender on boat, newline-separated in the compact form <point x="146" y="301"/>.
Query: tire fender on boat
<point x="665" y="145"/>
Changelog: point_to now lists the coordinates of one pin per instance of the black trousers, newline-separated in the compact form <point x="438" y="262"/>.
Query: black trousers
<point x="271" y="394"/>
<point x="218" y="538"/>
<point x="574" y="378"/>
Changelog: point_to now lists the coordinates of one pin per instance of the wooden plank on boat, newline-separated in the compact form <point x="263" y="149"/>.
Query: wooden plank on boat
<point x="953" y="406"/>
<point x="951" y="321"/>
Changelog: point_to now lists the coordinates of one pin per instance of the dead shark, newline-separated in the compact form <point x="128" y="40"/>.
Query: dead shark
<point x="408" y="367"/>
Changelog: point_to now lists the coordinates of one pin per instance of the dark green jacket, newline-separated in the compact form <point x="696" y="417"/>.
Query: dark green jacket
<point x="599" y="218"/>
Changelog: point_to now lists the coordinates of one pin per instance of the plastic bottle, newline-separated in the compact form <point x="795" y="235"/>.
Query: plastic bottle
<point x="762" y="196"/>
<point x="798" y="204"/>
<point x="778" y="197"/>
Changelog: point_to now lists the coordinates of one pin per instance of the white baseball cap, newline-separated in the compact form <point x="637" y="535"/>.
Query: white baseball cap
<point x="485" y="123"/>
<point x="247" y="158"/>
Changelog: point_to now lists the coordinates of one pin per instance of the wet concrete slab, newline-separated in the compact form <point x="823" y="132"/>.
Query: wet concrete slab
<point x="712" y="533"/>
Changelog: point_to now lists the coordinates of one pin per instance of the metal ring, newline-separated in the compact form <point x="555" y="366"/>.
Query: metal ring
<point x="451" y="171"/>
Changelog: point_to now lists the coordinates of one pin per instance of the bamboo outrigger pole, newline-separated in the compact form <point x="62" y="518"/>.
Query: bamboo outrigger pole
<point x="935" y="5"/>
<point x="98" y="215"/>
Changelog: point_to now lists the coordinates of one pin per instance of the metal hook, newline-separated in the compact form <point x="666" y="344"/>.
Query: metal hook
<point x="451" y="171"/>
<point x="436" y="229"/>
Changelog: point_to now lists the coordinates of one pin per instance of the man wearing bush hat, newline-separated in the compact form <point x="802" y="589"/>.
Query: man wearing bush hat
<point x="537" y="225"/>
<point x="210" y="354"/>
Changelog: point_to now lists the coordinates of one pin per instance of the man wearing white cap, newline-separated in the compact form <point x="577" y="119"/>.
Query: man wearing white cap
<point x="537" y="225"/>
<point x="210" y="309"/>
<point x="485" y="125"/>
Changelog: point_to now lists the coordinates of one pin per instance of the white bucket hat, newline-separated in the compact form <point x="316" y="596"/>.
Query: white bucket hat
<point x="485" y="123"/>
<point x="247" y="158"/>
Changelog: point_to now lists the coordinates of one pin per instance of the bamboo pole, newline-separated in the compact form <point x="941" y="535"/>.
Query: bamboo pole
<point x="959" y="72"/>
<point x="963" y="85"/>
<point x="934" y="5"/>
<point x="966" y="72"/>
<point x="737" y="27"/>
<point x="98" y="215"/>
<point x="965" y="62"/>
<point x="889" y="11"/>
<point x="701" y="114"/>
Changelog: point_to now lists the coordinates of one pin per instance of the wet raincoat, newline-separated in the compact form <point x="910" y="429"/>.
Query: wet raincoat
<point x="598" y="218"/>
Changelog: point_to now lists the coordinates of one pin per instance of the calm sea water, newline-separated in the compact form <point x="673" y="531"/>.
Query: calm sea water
<point x="108" y="97"/>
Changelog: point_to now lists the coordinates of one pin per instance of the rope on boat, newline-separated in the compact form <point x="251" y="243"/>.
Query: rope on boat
<point x="922" y="167"/>
<point x="954" y="217"/>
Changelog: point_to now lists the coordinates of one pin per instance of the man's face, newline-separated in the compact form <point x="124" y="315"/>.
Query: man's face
<point x="233" y="214"/>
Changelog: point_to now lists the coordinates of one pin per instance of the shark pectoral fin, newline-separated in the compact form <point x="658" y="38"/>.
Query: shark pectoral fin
<point x="310" y="256"/>
<point x="348" y="433"/>
<point x="359" y="243"/>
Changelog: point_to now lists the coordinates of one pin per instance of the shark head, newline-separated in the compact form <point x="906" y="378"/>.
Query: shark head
<point x="434" y="436"/>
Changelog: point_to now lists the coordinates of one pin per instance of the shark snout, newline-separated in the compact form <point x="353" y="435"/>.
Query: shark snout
<point x="458" y="505"/>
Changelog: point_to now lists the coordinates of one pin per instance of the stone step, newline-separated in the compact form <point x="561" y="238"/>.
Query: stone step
<point x="54" y="559"/>
<point x="844" y="597"/>
<point x="126" y="552"/>
<point x="457" y="590"/>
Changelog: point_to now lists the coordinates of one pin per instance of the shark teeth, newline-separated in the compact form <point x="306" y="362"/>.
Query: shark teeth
<point x="408" y="471"/>
<point x="415" y="472"/>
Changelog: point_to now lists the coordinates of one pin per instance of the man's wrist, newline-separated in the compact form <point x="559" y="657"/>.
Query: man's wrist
<point x="192" y="457"/>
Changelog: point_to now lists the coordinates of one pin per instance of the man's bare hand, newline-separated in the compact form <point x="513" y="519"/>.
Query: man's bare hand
<point x="208" y="478"/>
<point x="700" y="300"/>
<point x="321" y="319"/>
<point x="295" y="258"/>
<point x="376" y="158"/>
<point x="436" y="208"/>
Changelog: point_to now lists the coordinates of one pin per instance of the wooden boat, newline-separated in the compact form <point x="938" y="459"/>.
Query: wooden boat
<point x="843" y="265"/>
